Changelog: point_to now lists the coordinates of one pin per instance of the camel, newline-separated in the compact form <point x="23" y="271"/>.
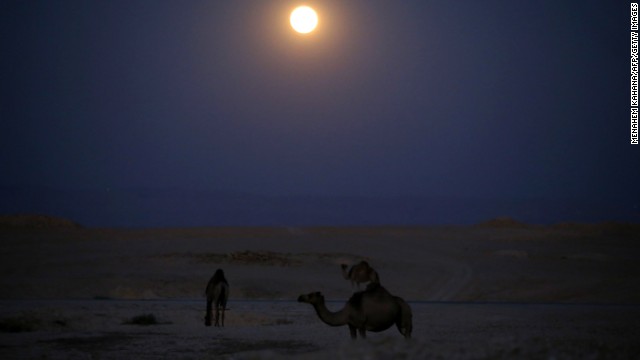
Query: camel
<point x="360" y="273"/>
<point x="373" y="309"/>
<point x="217" y="292"/>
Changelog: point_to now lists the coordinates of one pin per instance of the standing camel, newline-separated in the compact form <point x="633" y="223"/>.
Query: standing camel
<point x="217" y="292"/>
<point x="373" y="309"/>
<point x="360" y="273"/>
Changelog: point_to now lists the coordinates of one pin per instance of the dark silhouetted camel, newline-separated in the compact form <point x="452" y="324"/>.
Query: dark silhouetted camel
<point x="373" y="309"/>
<point x="360" y="273"/>
<point x="217" y="293"/>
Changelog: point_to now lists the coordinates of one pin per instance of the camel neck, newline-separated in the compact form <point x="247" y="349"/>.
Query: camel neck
<point x="338" y="318"/>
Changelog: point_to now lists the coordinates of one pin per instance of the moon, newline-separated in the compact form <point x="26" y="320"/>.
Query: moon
<point x="303" y="19"/>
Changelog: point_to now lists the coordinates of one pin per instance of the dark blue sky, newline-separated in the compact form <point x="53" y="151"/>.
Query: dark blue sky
<point x="387" y="99"/>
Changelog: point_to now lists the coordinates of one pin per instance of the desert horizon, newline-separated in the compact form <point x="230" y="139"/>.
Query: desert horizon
<point x="543" y="253"/>
<point x="154" y="207"/>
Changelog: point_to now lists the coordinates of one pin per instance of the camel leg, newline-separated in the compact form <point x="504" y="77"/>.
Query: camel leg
<point x="352" y="331"/>
<point x="207" y="317"/>
<point x="404" y="322"/>
<point x="363" y="333"/>
<point x="217" y="316"/>
<point x="223" y="317"/>
<point x="402" y="328"/>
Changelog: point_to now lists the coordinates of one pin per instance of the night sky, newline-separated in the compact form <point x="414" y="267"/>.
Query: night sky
<point x="181" y="113"/>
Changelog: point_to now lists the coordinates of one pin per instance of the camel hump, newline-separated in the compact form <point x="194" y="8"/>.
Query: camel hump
<point x="372" y="290"/>
<point x="373" y="286"/>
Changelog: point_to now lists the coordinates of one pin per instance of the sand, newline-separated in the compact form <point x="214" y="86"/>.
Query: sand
<point x="499" y="290"/>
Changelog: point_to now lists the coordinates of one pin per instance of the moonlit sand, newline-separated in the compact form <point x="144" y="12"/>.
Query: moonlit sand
<point x="500" y="289"/>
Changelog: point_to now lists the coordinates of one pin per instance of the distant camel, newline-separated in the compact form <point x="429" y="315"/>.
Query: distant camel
<point x="373" y="309"/>
<point x="360" y="273"/>
<point x="217" y="292"/>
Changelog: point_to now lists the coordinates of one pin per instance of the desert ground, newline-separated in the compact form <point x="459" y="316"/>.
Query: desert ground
<point x="496" y="290"/>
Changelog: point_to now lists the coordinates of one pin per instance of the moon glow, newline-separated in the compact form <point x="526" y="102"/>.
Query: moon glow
<point x="303" y="19"/>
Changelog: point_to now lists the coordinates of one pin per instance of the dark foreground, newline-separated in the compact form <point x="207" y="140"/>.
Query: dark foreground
<point x="108" y="329"/>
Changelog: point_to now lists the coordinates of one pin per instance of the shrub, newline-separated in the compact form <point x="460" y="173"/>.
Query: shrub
<point x="19" y="324"/>
<point x="145" y="320"/>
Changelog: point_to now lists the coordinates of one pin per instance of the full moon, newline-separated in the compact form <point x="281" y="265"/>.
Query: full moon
<point x="303" y="19"/>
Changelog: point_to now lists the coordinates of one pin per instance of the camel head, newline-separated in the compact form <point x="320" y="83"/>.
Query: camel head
<point x="313" y="298"/>
<point x="344" y="266"/>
